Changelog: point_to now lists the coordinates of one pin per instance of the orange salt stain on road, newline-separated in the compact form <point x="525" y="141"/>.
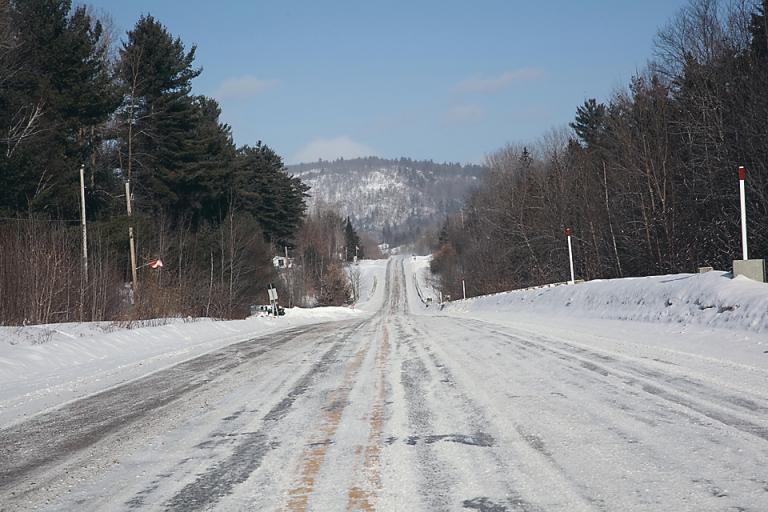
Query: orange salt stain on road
<point x="366" y="485"/>
<point x="311" y="460"/>
<point x="363" y="493"/>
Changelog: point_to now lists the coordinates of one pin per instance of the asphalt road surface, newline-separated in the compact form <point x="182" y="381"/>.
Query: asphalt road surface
<point x="405" y="410"/>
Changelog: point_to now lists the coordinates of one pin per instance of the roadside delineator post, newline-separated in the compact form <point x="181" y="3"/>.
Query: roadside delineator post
<point x="743" y="214"/>
<point x="570" y="256"/>
<point x="463" y="288"/>
<point x="753" y="269"/>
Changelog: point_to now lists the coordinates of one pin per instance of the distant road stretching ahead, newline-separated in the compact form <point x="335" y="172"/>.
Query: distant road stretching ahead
<point x="403" y="411"/>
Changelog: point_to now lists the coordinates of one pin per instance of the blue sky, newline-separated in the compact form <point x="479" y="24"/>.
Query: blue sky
<point x="441" y="80"/>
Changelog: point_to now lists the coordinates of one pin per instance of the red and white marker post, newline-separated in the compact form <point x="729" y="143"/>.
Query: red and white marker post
<point x="743" y="213"/>
<point x="570" y="256"/>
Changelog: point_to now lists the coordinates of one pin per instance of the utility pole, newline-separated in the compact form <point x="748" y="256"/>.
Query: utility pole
<point x="84" y="279"/>
<point x="130" y="233"/>
<point x="288" y="279"/>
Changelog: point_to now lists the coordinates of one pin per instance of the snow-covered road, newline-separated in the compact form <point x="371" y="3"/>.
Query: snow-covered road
<point x="406" y="409"/>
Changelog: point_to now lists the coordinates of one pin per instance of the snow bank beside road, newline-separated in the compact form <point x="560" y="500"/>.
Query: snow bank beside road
<point x="710" y="314"/>
<point x="372" y="284"/>
<point x="419" y="268"/>
<point x="80" y="359"/>
<point x="712" y="299"/>
<point x="77" y="344"/>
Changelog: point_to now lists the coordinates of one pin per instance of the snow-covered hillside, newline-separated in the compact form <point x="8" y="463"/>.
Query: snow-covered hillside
<point x="399" y="194"/>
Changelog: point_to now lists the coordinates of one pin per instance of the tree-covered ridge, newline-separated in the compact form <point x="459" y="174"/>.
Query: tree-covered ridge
<point x="374" y="162"/>
<point x="393" y="200"/>
<point x="72" y="96"/>
<point x="647" y="182"/>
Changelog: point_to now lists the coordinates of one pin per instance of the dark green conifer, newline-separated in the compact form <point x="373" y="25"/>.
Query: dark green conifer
<point x="59" y="87"/>
<point x="589" y="122"/>
<point x="262" y="188"/>
<point x="353" y="244"/>
<point x="160" y="116"/>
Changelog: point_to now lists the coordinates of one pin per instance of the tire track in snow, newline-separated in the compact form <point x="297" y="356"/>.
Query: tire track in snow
<point x="646" y="442"/>
<point x="219" y="480"/>
<point x="43" y="458"/>
<point x="450" y="435"/>
<point x="743" y="412"/>
<point x="472" y="429"/>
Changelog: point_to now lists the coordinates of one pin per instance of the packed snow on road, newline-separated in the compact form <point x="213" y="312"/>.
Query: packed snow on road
<point x="627" y="394"/>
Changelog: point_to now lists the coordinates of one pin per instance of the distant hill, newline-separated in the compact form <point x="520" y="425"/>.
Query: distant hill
<point x="390" y="196"/>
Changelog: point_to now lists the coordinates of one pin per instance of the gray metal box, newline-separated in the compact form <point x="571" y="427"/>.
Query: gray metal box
<point x="753" y="269"/>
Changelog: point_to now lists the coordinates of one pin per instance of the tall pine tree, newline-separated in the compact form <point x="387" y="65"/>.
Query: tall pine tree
<point x="159" y="117"/>
<point x="58" y="87"/>
<point x="352" y="242"/>
<point x="262" y="188"/>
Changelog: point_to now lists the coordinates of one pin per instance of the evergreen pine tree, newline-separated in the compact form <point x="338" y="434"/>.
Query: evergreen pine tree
<point x="60" y="86"/>
<point x="353" y="244"/>
<point x="211" y="153"/>
<point x="589" y="122"/>
<point x="262" y="188"/>
<point x="160" y="117"/>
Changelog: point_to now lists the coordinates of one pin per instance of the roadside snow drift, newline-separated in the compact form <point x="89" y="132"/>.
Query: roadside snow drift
<point x="708" y="314"/>
<point x="42" y="366"/>
<point x="713" y="299"/>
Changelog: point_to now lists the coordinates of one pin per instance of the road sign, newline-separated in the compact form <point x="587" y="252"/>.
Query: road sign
<point x="272" y="292"/>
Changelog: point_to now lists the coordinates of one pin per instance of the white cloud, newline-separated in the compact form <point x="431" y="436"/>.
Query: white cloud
<point x="462" y="115"/>
<point x="477" y="84"/>
<point x="332" y="149"/>
<point x="242" y="88"/>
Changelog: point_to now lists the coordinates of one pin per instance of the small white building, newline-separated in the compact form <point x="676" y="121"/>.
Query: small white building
<point x="282" y="262"/>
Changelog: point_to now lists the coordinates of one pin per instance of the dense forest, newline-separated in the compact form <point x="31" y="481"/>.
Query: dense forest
<point x="75" y="96"/>
<point x="647" y="182"/>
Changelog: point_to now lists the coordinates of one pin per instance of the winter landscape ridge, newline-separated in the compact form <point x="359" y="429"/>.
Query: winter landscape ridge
<point x="381" y="194"/>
